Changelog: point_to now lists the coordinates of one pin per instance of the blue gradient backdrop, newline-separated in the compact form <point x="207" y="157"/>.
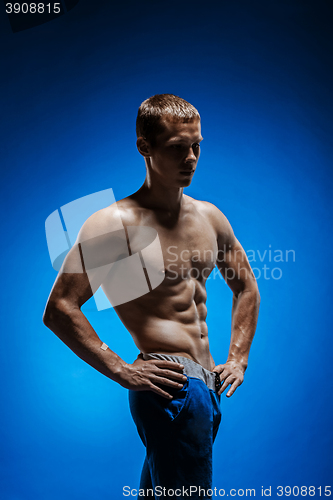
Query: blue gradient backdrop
<point x="260" y="73"/>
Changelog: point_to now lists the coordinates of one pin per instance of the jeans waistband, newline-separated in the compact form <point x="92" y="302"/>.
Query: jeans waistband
<point x="191" y="368"/>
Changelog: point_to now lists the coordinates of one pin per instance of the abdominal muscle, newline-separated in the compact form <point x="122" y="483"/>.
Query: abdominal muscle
<point x="171" y="320"/>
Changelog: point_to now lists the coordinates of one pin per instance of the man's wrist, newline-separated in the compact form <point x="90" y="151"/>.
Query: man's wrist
<point x="241" y="362"/>
<point x="118" y="369"/>
<point x="115" y="366"/>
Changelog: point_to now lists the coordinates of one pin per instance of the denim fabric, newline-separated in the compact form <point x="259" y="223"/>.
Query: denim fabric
<point x="178" y="435"/>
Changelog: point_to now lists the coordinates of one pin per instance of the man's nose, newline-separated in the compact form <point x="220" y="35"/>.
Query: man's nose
<point x="190" y="157"/>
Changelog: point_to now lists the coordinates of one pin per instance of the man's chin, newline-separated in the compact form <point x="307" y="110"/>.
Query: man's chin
<point x="186" y="182"/>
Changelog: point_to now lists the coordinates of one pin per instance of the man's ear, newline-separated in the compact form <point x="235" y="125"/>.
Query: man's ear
<point x="143" y="147"/>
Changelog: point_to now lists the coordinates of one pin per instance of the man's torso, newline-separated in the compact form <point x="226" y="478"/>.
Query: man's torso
<point x="172" y="317"/>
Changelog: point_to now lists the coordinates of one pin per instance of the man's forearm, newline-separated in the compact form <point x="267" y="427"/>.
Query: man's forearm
<point x="73" y="328"/>
<point x="245" y="311"/>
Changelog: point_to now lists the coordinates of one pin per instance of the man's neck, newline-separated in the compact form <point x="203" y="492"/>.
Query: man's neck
<point x="158" y="196"/>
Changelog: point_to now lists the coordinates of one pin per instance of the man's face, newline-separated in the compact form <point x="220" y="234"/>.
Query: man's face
<point x="175" y="154"/>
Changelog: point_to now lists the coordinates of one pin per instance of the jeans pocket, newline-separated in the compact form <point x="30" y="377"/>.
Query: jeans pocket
<point x="179" y="401"/>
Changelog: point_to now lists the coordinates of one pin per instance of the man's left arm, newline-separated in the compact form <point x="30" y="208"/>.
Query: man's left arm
<point x="236" y="270"/>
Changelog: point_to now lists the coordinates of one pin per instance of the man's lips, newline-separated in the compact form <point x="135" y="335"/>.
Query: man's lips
<point x="188" y="172"/>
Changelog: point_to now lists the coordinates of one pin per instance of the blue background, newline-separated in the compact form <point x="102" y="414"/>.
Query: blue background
<point x="260" y="74"/>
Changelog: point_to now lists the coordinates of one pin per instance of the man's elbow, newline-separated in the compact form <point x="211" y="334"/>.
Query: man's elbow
<point x="49" y="314"/>
<point x="253" y="290"/>
<point x="257" y="294"/>
<point x="54" y="312"/>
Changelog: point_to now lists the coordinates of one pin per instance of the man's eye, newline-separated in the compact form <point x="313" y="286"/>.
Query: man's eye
<point x="196" y="145"/>
<point x="176" y="146"/>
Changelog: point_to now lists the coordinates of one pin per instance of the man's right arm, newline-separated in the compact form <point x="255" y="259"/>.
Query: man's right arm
<point x="63" y="315"/>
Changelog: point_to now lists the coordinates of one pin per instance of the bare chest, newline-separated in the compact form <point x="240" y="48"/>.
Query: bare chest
<point x="187" y="249"/>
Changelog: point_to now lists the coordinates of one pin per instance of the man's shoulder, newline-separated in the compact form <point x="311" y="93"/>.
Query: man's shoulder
<point x="104" y="220"/>
<point x="213" y="215"/>
<point x="206" y="208"/>
<point x="125" y="212"/>
<point x="204" y="205"/>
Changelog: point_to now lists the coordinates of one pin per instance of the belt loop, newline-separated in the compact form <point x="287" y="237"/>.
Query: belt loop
<point x="218" y="383"/>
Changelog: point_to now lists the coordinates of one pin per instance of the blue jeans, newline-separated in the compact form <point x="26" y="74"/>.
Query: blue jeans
<point x="178" y="436"/>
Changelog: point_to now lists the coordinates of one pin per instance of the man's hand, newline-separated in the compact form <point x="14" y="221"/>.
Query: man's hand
<point x="147" y="375"/>
<point x="231" y="373"/>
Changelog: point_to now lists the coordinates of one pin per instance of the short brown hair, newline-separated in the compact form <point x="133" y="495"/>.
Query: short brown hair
<point x="153" y="109"/>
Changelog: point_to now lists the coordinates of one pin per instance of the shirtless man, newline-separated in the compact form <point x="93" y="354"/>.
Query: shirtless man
<point x="174" y="384"/>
